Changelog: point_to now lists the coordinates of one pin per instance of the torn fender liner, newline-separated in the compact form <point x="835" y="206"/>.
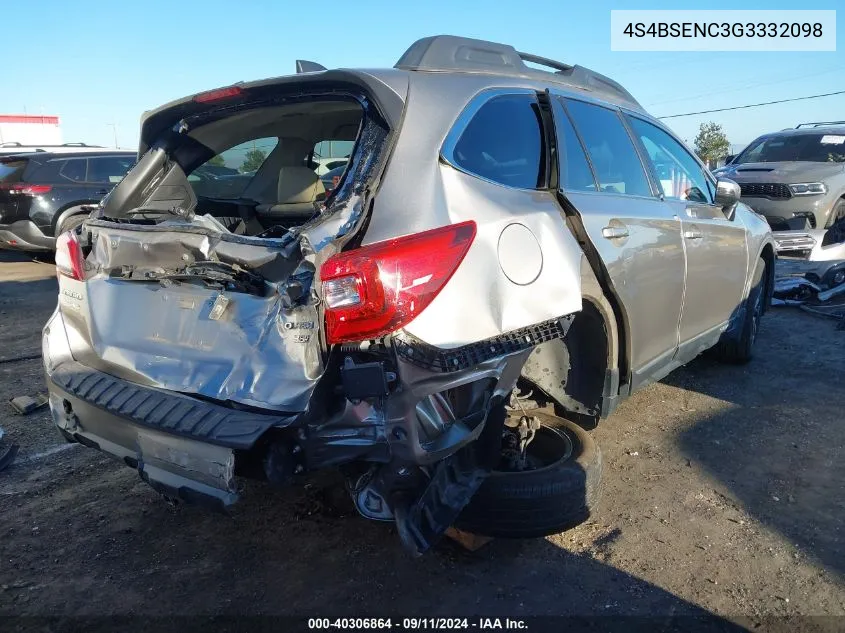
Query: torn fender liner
<point x="455" y="480"/>
<point x="165" y="411"/>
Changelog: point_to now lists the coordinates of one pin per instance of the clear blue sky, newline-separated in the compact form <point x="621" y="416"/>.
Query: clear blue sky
<point x="97" y="62"/>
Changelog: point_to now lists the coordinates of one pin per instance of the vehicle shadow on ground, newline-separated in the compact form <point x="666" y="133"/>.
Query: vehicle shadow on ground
<point x="778" y="446"/>
<point x="300" y="551"/>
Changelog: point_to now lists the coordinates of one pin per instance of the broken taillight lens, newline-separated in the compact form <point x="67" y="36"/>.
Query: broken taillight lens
<point x="69" y="256"/>
<point x="373" y="290"/>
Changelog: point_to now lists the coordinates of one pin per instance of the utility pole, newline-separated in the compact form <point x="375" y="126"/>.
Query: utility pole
<point x="114" y="128"/>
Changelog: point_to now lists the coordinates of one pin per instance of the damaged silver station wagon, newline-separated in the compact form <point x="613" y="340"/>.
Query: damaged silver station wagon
<point x="504" y="242"/>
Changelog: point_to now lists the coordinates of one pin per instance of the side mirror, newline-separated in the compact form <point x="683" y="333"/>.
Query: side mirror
<point x="730" y="158"/>
<point x="727" y="195"/>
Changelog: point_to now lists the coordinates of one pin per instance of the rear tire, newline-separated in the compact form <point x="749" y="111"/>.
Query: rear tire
<point x="738" y="350"/>
<point x="547" y="500"/>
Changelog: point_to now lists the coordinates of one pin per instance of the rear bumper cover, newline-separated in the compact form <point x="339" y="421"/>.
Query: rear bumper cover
<point x="181" y="446"/>
<point x="24" y="235"/>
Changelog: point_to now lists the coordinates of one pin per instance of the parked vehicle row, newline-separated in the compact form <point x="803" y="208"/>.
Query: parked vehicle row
<point x="501" y="238"/>
<point x="43" y="194"/>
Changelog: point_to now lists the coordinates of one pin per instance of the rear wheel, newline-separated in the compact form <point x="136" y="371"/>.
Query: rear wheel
<point x="558" y="492"/>
<point x="738" y="350"/>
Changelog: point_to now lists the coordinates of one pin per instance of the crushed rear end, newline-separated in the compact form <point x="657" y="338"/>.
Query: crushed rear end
<point x="200" y="337"/>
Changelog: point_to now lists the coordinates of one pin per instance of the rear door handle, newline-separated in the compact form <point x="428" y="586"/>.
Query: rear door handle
<point x="614" y="232"/>
<point x="693" y="233"/>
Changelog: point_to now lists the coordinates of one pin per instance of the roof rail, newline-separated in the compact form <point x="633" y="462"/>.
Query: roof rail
<point x="452" y="53"/>
<point x="819" y="124"/>
<point x="304" y="66"/>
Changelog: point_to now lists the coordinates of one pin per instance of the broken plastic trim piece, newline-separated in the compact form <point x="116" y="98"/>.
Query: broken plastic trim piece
<point x="454" y="481"/>
<point x="424" y="355"/>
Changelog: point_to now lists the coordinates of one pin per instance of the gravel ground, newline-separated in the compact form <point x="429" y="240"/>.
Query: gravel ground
<point x="723" y="496"/>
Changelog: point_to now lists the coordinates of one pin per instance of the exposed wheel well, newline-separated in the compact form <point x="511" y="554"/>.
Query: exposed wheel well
<point x="74" y="209"/>
<point x="572" y="373"/>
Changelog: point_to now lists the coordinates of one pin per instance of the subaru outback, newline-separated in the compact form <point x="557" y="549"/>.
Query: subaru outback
<point x="505" y="243"/>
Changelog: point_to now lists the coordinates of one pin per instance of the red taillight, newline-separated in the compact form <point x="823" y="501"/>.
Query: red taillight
<point x="24" y="189"/>
<point x="218" y="95"/>
<point x="69" y="256"/>
<point x="379" y="288"/>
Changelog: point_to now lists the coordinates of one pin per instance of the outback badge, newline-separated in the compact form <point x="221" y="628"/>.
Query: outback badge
<point x="218" y="307"/>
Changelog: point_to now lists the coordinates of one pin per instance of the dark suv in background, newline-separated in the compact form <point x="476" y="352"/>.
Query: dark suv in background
<point x="43" y="194"/>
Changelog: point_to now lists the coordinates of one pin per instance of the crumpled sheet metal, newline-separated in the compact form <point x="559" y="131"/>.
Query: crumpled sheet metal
<point x="257" y="353"/>
<point x="173" y="244"/>
<point x="264" y="351"/>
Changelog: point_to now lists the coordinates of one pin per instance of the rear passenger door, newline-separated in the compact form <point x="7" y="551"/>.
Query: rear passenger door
<point x="636" y="235"/>
<point x="715" y="245"/>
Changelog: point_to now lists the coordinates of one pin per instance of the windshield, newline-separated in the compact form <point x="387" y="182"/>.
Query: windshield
<point x="812" y="148"/>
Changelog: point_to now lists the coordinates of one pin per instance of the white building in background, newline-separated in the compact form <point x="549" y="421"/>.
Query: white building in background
<point x="30" y="129"/>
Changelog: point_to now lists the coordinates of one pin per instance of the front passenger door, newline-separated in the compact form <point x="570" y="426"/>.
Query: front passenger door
<point x="715" y="245"/>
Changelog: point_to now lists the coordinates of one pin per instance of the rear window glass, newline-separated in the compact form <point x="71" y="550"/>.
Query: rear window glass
<point x="503" y="142"/>
<point x="615" y="161"/>
<point x="12" y="171"/>
<point x="228" y="174"/>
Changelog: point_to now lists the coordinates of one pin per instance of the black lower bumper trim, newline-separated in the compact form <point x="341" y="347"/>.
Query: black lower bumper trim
<point x="166" y="411"/>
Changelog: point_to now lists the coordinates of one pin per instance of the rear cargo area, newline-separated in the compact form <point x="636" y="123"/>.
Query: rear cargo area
<point x="197" y="274"/>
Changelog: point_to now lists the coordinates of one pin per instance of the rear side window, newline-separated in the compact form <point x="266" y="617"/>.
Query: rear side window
<point x="503" y="142"/>
<point x="227" y="175"/>
<point x="334" y="148"/>
<point x="575" y="172"/>
<point x="109" y="169"/>
<point x="74" y="170"/>
<point x="59" y="171"/>
<point x="11" y="171"/>
<point x="615" y="161"/>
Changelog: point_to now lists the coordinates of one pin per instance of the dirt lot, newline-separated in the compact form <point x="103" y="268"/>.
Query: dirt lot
<point x="723" y="495"/>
